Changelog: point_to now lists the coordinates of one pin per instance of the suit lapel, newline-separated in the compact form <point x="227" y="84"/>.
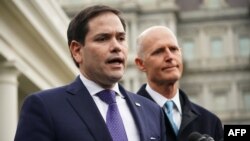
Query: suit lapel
<point x="189" y="114"/>
<point x="85" y="107"/>
<point x="142" y="91"/>
<point x="136" y="111"/>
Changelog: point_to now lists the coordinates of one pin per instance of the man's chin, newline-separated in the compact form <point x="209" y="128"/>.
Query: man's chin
<point x="115" y="77"/>
<point x="172" y="80"/>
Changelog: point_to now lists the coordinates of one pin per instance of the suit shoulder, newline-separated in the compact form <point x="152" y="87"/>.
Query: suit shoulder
<point x="49" y="93"/>
<point x="203" y="111"/>
<point x="143" y="100"/>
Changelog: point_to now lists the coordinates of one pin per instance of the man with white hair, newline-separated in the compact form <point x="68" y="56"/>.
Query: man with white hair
<point x="160" y="57"/>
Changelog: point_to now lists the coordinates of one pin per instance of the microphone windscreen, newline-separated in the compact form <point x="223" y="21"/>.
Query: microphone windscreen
<point x="194" y="136"/>
<point x="208" y="138"/>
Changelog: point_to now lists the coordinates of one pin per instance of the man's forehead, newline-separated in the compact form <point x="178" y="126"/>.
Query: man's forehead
<point x="106" y="22"/>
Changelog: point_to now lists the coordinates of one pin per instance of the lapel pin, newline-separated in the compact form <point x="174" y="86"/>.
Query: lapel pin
<point x="137" y="104"/>
<point x="152" y="138"/>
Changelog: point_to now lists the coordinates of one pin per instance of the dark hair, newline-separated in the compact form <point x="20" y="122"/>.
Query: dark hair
<point x="78" y="27"/>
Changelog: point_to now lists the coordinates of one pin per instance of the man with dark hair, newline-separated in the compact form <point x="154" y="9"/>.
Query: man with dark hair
<point x="94" y="107"/>
<point x="159" y="56"/>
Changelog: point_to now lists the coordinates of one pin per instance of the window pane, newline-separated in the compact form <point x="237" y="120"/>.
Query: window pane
<point x="188" y="50"/>
<point x="220" y="102"/>
<point x="216" y="48"/>
<point x="244" y="46"/>
<point x="246" y="99"/>
<point x="213" y="3"/>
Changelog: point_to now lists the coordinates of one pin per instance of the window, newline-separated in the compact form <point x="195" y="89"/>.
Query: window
<point x="244" y="44"/>
<point x="246" y="99"/>
<point x="214" y="3"/>
<point x="216" y="48"/>
<point x="220" y="101"/>
<point x="188" y="50"/>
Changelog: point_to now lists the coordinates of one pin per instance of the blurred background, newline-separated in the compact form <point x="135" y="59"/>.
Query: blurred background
<point x="214" y="36"/>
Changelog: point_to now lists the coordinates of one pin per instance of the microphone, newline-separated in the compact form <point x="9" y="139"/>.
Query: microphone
<point x="208" y="138"/>
<point x="195" y="136"/>
<point x="222" y="139"/>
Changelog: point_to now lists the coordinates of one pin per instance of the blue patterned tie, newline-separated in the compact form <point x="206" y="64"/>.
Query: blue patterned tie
<point x="113" y="118"/>
<point x="169" y="112"/>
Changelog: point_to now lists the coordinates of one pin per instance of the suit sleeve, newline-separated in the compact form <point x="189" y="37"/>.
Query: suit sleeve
<point x="34" y="122"/>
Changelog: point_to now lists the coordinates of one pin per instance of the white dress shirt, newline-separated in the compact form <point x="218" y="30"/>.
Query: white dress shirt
<point x="161" y="100"/>
<point x="128" y="120"/>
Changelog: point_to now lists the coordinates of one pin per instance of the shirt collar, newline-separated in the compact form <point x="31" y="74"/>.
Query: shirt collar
<point x="94" y="88"/>
<point x="161" y="100"/>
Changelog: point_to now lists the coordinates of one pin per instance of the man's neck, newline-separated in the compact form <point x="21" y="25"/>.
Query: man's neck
<point x="167" y="90"/>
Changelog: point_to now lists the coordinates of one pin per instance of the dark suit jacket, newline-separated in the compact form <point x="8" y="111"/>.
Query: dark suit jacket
<point x="69" y="113"/>
<point x="194" y="118"/>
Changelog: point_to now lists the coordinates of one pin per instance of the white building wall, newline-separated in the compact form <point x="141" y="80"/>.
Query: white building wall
<point x="8" y="101"/>
<point x="33" y="35"/>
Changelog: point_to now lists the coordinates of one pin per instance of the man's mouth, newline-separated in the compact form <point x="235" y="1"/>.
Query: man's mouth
<point x="169" y="67"/>
<point x="115" y="60"/>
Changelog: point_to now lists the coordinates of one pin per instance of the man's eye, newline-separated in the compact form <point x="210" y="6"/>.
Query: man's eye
<point x="174" y="49"/>
<point x="121" y="38"/>
<point x="101" y="39"/>
<point x="159" y="51"/>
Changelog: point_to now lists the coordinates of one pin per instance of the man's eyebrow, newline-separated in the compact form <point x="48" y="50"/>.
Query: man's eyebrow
<point x="121" y="33"/>
<point x="102" y="34"/>
<point x="107" y="33"/>
<point x="158" y="50"/>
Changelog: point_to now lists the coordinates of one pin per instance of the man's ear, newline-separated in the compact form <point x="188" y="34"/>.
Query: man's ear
<point x="75" y="49"/>
<point x="140" y="64"/>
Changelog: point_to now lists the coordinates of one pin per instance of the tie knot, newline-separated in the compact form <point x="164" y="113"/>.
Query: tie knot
<point x="169" y="105"/>
<point x="108" y="96"/>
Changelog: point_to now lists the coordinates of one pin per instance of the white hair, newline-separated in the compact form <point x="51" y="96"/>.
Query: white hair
<point x="140" y="38"/>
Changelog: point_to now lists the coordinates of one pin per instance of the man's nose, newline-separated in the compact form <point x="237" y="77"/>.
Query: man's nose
<point x="116" y="45"/>
<point x="168" y="54"/>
